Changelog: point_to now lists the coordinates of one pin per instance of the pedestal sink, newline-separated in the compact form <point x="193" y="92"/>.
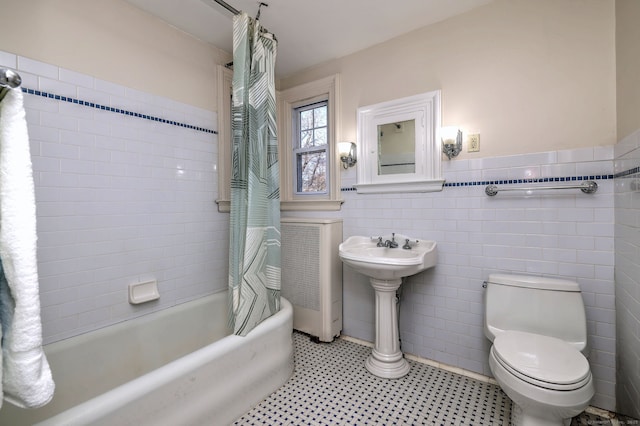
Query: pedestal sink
<point x="385" y="266"/>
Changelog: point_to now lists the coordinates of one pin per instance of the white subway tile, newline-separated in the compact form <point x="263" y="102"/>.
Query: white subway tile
<point x="58" y="121"/>
<point x="604" y="152"/>
<point x="575" y="155"/>
<point x="29" y="81"/>
<point x="41" y="104"/>
<point x="603" y="167"/>
<point x="8" y="60"/>
<point x="558" y="170"/>
<point x="56" y="150"/>
<point x="56" y="87"/>
<point x="38" y="68"/>
<point x="95" y="127"/>
<point x="76" y="78"/>
<point x="108" y="87"/>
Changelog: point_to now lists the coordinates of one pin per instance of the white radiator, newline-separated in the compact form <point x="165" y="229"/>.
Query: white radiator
<point x="312" y="274"/>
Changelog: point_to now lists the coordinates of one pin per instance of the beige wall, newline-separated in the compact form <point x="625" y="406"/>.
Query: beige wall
<point x="528" y="75"/>
<point x="113" y="41"/>
<point x="628" y="64"/>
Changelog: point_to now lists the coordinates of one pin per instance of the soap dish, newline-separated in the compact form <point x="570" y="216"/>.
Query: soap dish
<point x="143" y="292"/>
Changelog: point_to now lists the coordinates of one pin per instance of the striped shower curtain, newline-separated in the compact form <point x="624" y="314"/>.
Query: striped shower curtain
<point x="254" y="258"/>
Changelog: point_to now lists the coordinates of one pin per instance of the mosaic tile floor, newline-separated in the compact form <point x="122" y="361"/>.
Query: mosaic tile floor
<point x="330" y="386"/>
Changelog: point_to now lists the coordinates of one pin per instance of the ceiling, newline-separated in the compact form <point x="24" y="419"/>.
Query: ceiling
<point x="308" y="32"/>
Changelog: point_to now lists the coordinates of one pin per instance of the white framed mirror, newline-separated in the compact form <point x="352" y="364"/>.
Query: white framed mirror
<point x="398" y="149"/>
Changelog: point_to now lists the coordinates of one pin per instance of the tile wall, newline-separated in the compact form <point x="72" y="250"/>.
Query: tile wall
<point x="125" y="191"/>
<point x="562" y="233"/>
<point x="627" y="204"/>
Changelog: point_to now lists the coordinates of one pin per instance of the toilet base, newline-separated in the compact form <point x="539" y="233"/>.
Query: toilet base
<point x="520" y="418"/>
<point x="535" y="406"/>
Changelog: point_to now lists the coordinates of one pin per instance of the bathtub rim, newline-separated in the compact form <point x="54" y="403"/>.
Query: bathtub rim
<point x="108" y="402"/>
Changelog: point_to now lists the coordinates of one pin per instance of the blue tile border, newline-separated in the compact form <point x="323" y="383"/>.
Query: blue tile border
<point x="525" y="181"/>
<point x="116" y="110"/>
<point x="629" y="172"/>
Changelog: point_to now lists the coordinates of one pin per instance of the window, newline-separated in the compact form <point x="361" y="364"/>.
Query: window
<point x="309" y="163"/>
<point x="311" y="148"/>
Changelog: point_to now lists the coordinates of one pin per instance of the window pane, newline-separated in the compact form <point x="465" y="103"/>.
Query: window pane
<point x="320" y="116"/>
<point x="320" y="137"/>
<point x="312" y="171"/>
<point x="306" y="139"/>
<point x="306" y="120"/>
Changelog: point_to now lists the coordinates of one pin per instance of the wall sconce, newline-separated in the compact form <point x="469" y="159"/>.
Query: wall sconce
<point x="451" y="141"/>
<point x="347" y="151"/>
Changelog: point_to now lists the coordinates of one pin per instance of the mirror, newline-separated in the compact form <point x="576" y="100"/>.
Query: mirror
<point x="397" y="145"/>
<point x="396" y="142"/>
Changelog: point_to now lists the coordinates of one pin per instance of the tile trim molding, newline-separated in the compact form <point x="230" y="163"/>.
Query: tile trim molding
<point x="629" y="172"/>
<point x="116" y="110"/>
<point x="525" y="181"/>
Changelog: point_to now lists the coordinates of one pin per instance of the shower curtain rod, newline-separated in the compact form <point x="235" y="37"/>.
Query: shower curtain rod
<point x="236" y="11"/>
<point x="227" y="6"/>
<point x="9" y="79"/>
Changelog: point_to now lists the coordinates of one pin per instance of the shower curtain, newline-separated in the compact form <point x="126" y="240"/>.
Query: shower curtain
<point x="254" y="258"/>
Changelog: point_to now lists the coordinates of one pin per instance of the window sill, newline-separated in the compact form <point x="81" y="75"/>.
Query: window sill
<point x="224" y="206"/>
<point x="310" y="205"/>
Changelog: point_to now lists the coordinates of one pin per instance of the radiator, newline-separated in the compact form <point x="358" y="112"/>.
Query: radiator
<point x="312" y="275"/>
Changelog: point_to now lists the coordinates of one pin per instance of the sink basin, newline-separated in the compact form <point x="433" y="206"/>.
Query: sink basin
<point x="385" y="268"/>
<point x="384" y="263"/>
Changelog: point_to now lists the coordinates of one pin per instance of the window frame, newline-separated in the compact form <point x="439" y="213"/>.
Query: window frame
<point x="298" y="149"/>
<point x="326" y="89"/>
<point x="223" y="167"/>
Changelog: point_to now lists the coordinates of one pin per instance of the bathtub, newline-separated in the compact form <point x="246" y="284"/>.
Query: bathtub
<point x="178" y="366"/>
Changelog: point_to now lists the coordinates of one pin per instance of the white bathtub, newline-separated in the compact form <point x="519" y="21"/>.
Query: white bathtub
<point x="163" y="369"/>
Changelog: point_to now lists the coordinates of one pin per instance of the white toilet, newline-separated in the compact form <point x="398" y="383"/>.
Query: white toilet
<point x="539" y="331"/>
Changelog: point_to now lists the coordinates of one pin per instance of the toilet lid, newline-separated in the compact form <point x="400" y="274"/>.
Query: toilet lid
<point x="542" y="360"/>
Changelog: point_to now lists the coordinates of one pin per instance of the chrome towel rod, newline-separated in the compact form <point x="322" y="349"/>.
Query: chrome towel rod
<point x="9" y="79"/>
<point x="588" y="187"/>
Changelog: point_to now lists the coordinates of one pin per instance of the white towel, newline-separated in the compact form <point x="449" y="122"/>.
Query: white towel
<point x="26" y="376"/>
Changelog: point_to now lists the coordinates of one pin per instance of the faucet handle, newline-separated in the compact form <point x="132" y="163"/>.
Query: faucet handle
<point x="380" y="243"/>
<point x="406" y="245"/>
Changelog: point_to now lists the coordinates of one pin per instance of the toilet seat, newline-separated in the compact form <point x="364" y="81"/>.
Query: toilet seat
<point x="541" y="360"/>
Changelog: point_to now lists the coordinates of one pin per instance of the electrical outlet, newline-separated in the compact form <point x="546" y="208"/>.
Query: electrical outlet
<point x="473" y="142"/>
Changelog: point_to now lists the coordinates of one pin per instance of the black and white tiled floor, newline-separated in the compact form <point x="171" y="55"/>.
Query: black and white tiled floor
<point x="330" y="386"/>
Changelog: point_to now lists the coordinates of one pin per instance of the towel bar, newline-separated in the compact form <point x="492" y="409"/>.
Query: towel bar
<point x="9" y="79"/>
<point x="588" y="187"/>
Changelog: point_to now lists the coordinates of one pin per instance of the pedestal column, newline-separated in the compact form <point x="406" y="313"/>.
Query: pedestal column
<point x="386" y="359"/>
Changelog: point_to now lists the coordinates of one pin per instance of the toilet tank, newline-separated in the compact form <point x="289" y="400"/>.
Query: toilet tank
<point x="547" y="306"/>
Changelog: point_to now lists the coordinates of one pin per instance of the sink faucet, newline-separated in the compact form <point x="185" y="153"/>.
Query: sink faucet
<point x="391" y="243"/>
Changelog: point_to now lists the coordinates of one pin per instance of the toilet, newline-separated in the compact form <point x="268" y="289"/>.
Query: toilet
<point x="539" y="332"/>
